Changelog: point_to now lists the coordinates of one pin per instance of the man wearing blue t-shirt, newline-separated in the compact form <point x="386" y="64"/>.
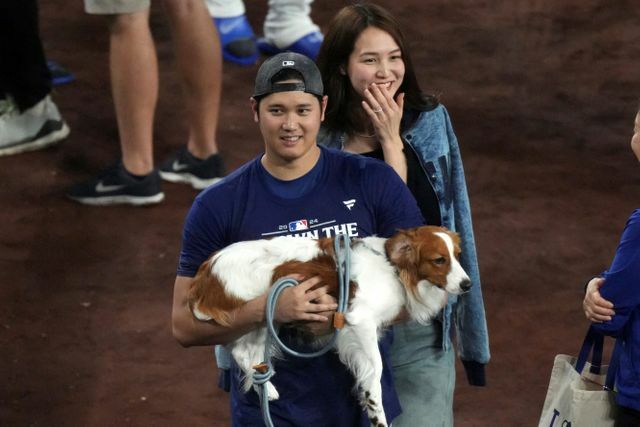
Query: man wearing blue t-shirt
<point x="295" y="188"/>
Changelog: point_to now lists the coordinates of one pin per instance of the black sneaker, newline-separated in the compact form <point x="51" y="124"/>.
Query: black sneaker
<point x="116" y="186"/>
<point x="185" y="168"/>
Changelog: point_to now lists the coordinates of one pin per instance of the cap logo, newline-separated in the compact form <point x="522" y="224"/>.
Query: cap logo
<point x="288" y="63"/>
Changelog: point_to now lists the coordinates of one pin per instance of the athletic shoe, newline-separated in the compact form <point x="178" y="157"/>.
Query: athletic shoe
<point x="117" y="186"/>
<point x="308" y="45"/>
<point x="183" y="167"/>
<point x="59" y="75"/>
<point x="32" y="129"/>
<point x="237" y="39"/>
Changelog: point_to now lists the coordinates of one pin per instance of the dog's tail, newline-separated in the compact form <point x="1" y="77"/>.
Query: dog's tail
<point x="207" y="298"/>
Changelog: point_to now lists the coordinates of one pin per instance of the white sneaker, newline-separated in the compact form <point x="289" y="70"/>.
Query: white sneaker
<point x="33" y="129"/>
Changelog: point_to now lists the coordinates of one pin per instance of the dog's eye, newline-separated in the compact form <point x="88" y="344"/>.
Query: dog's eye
<point x="440" y="261"/>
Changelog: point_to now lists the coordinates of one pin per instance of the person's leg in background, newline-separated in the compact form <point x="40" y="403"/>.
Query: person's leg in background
<point x="29" y="120"/>
<point x="134" y="86"/>
<point x="199" y="63"/>
<point x="288" y="26"/>
<point x="236" y="34"/>
<point x="134" y="80"/>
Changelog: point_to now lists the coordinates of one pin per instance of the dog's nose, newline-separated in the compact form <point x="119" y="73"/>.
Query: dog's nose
<point x="465" y="285"/>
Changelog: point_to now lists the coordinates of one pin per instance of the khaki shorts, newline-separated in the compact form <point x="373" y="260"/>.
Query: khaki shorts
<point x="111" y="7"/>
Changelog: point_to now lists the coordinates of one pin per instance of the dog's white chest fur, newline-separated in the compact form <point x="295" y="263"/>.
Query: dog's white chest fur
<point x="380" y="295"/>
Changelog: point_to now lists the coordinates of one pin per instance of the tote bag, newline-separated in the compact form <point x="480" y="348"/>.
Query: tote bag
<point x="579" y="393"/>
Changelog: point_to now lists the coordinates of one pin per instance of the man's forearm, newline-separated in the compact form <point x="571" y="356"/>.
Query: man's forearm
<point x="190" y="331"/>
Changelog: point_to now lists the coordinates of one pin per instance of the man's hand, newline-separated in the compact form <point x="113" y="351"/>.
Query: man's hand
<point x="596" y="308"/>
<point x="301" y="303"/>
<point x="323" y="328"/>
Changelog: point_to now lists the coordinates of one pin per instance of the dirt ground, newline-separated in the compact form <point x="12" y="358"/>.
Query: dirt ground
<point x="542" y="96"/>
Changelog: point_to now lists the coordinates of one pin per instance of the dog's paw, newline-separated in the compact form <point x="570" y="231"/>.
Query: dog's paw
<point x="374" y="409"/>
<point x="364" y="399"/>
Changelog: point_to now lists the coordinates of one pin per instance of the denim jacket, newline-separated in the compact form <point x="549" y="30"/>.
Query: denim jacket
<point x="432" y="138"/>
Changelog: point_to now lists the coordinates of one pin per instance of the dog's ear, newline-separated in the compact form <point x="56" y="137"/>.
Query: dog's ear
<point x="400" y="249"/>
<point x="402" y="253"/>
<point x="207" y="298"/>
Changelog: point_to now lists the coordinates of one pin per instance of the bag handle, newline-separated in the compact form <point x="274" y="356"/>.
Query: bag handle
<point x="595" y="340"/>
<point x="613" y="366"/>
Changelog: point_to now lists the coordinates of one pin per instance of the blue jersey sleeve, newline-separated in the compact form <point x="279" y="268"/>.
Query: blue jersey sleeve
<point x="622" y="280"/>
<point x="205" y="231"/>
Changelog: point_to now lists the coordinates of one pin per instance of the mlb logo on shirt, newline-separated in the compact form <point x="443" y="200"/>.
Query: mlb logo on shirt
<point x="298" y="225"/>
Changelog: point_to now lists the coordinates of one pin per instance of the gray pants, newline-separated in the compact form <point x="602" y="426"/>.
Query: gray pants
<point x="424" y="375"/>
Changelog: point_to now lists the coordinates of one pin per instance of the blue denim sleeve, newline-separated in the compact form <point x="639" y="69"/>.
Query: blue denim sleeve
<point x="470" y="320"/>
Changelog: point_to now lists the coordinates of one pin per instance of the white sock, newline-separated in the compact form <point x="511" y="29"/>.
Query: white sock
<point x="225" y="8"/>
<point x="288" y="21"/>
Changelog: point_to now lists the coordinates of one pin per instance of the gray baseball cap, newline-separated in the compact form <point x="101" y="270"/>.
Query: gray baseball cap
<point x="288" y="60"/>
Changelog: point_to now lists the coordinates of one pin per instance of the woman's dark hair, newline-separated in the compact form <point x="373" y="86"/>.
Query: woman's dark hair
<point x="339" y="41"/>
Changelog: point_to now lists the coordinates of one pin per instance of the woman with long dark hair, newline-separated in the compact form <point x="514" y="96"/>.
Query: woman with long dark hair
<point x="376" y="108"/>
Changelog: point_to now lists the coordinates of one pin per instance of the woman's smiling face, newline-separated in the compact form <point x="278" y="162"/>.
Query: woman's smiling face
<point x="376" y="58"/>
<point x="635" y="139"/>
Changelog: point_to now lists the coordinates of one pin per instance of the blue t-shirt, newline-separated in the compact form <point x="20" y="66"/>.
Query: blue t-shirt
<point x="343" y="194"/>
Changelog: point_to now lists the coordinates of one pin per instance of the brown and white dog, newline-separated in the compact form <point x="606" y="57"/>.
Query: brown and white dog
<point x="413" y="269"/>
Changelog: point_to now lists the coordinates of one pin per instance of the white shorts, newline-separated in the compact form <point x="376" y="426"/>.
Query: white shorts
<point x="115" y="7"/>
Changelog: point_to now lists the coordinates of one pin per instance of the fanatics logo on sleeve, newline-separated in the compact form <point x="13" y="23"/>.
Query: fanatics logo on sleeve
<point x="299" y="225"/>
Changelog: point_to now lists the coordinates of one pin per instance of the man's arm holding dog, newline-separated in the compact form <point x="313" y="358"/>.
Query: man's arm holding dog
<point x="295" y="303"/>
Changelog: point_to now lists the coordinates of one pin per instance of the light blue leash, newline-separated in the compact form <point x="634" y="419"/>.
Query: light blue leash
<point x="264" y="371"/>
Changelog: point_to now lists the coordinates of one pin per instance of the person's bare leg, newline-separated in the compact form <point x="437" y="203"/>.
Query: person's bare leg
<point x="199" y="61"/>
<point x="134" y="85"/>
